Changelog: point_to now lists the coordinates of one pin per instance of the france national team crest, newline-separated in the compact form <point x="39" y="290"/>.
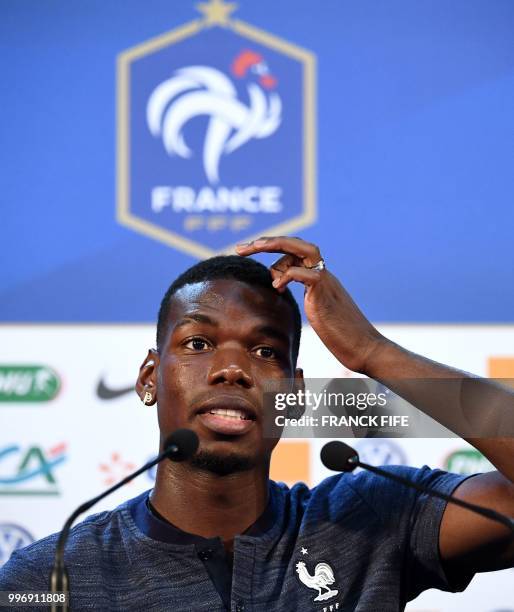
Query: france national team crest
<point x="216" y="134"/>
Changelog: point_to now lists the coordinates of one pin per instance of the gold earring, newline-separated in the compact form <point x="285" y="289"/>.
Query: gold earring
<point x="147" y="398"/>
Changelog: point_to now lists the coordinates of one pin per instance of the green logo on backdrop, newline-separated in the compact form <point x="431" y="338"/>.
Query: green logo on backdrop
<point x="467" y="461"/>
<point x="28" y="383"/>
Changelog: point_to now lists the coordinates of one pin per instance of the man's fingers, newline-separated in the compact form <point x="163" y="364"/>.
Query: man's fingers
<point x="284" y="262"/>
<point x="296" y="273"/>
<point x="307" y="252"/>
<point x="279" y="266"/>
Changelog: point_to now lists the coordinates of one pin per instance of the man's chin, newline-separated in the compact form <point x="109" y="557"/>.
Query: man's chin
<point x="222" y="464"/>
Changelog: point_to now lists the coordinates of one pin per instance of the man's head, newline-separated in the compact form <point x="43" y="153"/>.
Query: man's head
<point x="223" y="334"/>
<point x="228" y="267"/>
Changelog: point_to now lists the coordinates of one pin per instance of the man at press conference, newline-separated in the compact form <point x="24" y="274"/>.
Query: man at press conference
<point x="216" y="533"/>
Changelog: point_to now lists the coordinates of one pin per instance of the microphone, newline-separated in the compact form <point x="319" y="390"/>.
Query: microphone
<point x="340" y="457"/>
<point x="178" y="446"/>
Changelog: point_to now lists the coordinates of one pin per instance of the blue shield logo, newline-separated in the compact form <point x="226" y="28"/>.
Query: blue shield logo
<point x="216" y="135"/>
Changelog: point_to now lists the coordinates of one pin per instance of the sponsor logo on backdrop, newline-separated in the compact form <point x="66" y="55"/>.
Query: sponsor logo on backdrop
<point x="30" y="470"/>
<point x="106" y="391"/>
<point x="115" y="469"/>
<point x="216" y="134"/>
<point x="380" y="452"/>
<point x="467" y="461"/>
<point x="12" y="537"/>
<point x="28" y="383"/>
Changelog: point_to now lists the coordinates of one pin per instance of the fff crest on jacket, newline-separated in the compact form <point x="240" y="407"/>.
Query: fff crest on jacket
<point x="216" y="134"/>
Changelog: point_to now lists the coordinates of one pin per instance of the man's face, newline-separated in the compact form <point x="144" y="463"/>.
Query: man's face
<point x="225" y="340"/>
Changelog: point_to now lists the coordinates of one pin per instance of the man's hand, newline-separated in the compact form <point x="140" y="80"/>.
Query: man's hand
<point x="466" y="541"/>
<point x="332" y="313"/>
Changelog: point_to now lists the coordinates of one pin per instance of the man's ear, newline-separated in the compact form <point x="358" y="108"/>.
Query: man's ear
<point x="146" y="385"/>
<point x="299" y="382"/>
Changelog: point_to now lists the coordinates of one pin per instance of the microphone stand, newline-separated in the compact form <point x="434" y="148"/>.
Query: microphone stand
<point x="59" y="578"/>
<point x="487" y="512"/>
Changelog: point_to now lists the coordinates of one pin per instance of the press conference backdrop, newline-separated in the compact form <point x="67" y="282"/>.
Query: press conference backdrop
<point x="138" y="139"/>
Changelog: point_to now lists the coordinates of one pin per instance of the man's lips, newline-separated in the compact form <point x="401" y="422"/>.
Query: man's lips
<point x="227" y="415"/>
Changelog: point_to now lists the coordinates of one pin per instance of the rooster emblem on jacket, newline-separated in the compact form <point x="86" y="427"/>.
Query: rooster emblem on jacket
<point x="323" y="577"/>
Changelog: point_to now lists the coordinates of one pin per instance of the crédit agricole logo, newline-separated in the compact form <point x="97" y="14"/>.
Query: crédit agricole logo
<point x="216" y="134"/>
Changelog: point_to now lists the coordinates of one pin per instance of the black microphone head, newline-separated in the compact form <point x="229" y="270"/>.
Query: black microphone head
<point x="335" y="456"/>
<point x="182" y="444"/>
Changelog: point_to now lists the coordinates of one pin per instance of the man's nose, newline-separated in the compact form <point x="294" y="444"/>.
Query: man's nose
<point x="231" y="367"/>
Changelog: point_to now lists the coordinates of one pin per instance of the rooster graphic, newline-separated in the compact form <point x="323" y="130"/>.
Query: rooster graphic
<point x="201" y="90"/>
<point x="323" y="576"/>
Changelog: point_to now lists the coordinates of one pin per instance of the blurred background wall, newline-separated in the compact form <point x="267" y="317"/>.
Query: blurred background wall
<point x="140" y="137"/>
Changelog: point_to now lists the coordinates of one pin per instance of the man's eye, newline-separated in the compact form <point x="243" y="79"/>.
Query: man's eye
<point x="197" y="344"/>
<point x="266" y="352"/>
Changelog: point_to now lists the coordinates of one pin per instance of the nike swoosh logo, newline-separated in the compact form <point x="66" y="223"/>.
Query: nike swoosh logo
<point x="106" y="393"/>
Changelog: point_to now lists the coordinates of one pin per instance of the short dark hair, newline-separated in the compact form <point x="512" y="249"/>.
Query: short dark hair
<point x="234" y="267"/>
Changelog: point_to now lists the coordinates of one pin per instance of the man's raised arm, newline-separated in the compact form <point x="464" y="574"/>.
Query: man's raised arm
<point x="466" y="540"/>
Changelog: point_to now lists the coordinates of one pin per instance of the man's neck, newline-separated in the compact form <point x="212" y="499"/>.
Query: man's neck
<point x="209" y="505"/>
